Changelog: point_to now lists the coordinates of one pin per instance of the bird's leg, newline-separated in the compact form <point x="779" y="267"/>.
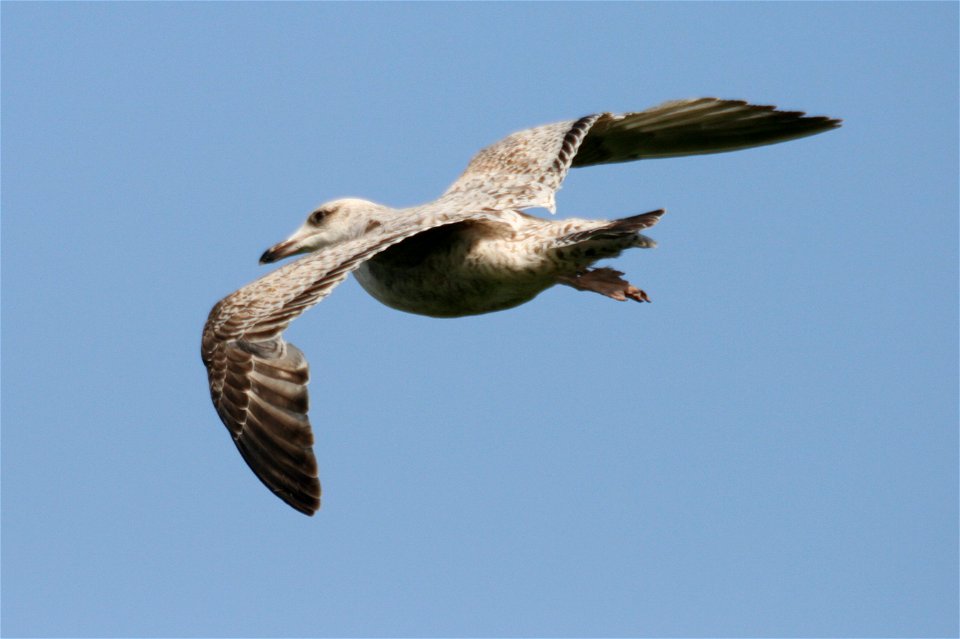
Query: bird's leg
<point x="605" y="281"/>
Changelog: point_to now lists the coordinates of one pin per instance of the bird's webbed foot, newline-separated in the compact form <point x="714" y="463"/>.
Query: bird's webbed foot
<point x="607" y="282"/>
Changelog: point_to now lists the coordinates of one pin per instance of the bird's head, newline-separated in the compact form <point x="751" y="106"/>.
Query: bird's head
<point x="331" y="223"/>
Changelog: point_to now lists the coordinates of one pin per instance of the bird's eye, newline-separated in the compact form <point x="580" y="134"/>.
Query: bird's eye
<point x="317" y="216"/>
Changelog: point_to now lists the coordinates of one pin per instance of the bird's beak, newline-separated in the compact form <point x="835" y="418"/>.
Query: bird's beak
<point x="280" y="251"/>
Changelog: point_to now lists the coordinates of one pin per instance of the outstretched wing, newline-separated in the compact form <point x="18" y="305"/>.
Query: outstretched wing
<point x="525" y="169"/>
<point x="259" y="389"/>
<point x="258" y="381"/>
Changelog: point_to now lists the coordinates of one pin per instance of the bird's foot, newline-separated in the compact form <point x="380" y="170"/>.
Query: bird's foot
<point x="607" y="282"/>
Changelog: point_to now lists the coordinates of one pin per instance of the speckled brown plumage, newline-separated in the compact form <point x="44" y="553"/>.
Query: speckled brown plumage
<point x="470" y="251"/>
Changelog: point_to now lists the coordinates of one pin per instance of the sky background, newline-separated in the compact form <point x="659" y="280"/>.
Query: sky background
<point x="769" y="448"/>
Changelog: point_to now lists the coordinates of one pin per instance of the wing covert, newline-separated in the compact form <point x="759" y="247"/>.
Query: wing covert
<point x="524" y="169"/>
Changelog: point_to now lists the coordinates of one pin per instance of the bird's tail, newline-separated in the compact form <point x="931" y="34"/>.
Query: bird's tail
<point x="626" y="228"/>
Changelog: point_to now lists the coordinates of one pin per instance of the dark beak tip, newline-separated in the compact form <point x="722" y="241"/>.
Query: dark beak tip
<point x="268" y="257"/>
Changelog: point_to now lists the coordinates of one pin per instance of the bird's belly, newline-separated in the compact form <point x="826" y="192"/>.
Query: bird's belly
<point x="437" y="293"/>
<point x="455" y="270"/>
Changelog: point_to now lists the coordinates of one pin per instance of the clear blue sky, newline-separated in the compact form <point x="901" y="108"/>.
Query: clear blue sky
<point x="770" y="448"/>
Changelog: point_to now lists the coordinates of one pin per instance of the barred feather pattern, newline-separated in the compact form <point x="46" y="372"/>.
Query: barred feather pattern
<point x="258" y="381"/>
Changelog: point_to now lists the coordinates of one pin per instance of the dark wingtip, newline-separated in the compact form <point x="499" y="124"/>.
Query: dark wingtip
<point x="306" y="504"/>
<point x="824" y="121"/>
<point x="299" y="490"/>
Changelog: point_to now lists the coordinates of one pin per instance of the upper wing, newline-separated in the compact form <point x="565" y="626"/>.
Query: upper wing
<point x="258" y="381"/>
<point x="525" y="169"/>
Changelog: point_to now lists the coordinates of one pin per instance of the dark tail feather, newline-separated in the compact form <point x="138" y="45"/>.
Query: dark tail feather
<point x="635" y="223"/>
<point x="623" y="227"/>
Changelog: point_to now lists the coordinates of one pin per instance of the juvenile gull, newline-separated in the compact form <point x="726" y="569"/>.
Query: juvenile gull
<point x="471" y="251"/>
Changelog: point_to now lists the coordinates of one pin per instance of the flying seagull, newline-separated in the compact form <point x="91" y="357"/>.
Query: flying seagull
<point x="473" y="250"/>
